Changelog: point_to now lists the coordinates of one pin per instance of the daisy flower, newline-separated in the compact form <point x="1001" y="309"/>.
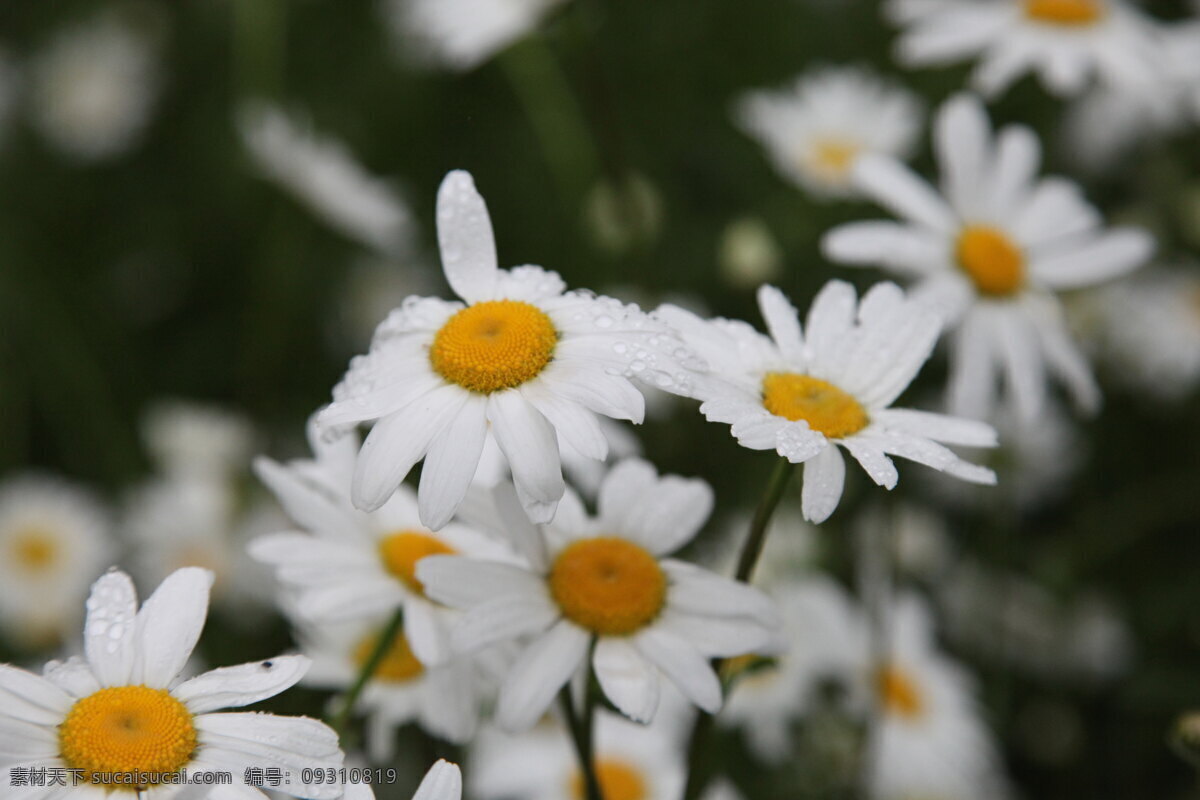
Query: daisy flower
<point x="54" y="541"/>
<point x="601" y="587"/>
<point x="346" y="564"/>
<point x="444" y="700"/>
<point x="991" y="251"/>
<point x="462" y="34"/>
<point x="633" y="762"/>
<point x="805" y="394"/>
<point x="817" y="128"/>
<point x="522" y="361"/>
<point x="122" y="713"/>
<point x="321" y="173"/>
<point x="93" y="87"/>
<point x="1068" y="43"/>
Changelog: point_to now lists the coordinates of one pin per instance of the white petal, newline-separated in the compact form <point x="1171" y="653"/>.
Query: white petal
<point x="462" y="582"/>
<point x="30" y="698"/>
<point x="233" y="741"/>
<point x="962" y="138"/>
<point x="576" y="425"/>
<point x="824" y="475"/>
<point x="830" y="320"/>
<point x="466" y="239"/>
<point x="972" y="367"/>
<point x="169" y="625"/>
<point x="783" y="321"/>
<point x="398" y="441"/>
<point x="1066" y="361"/>
<point x="1112" y="254"/>
<point x="73" y="676"/>
<point x="505" y="617"/>
<point x="529" y="443"/>
<point x="442" y="782"/>
<point x="717" y="637"/>
<point x="1014" y="169"/>
<point x="628" y="680"/>
<point x="878" y="466"/>
<point x="892" y="245"/>
<point x="538" y="674"/>
<point x="683" y="664"/>
<point x="424" y="631"/>
<point x="798" y="443"/>
<point x="108" y="634"/>
<point x="938" y="427"/>
<point x="1022" y="362"/>
<point x="897" y="188"/>
<point x="609" y="395"/>
<point x="451" y="462"/>
<point x="230" y="687"/>
<point x="21" y="740"/>
<point x="302" y="501"/>
<point x="694" y="590"/>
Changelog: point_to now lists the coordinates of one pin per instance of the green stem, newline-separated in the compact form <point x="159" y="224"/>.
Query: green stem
<point x="382" y="646"/>
<point x="698" y="766"/>
<point x="581" y="734"/>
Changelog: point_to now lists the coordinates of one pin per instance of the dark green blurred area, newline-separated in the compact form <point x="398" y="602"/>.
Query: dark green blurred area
<point x="175" y="271"/>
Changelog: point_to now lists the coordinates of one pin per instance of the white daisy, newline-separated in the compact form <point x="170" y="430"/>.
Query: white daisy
<point x="93" y="86"/>
<point x="817" y="128"/>
<point x="444" y="700"/>
<point x="1068" y="43"/>
<point x="804" y="395"/>
<point x="54" y="541"/>
<point x="605" y="581"/>
<point x="523" y="361"/>
<point x="633" y="762"/>
<point x="345" y="564"/>
<point x="321" y="173"/>
<point x="990" y="252"/>
<point x="186" y="438"/>
<point x="122" y="712"/>
<point x="462" y="34"/>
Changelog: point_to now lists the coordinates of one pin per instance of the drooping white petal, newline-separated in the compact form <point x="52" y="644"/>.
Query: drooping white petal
<point x="465" y="236"/>
<point x="529" y="443"/>
<point x="424" y="631"/>
<point x="938" y="427"/>
<point x="627" y="679"/>
<point x="798" y="443"/>
<point x="683" y="664"/>
<point x="576" y="426"/>
<point x="824" y="476"/>
<point x="538" y="674"/>
<point x="972" y="366"/>
<point x="451" y="462"/>
<point x="877" y="465"/>
<point x="230" y="687"/>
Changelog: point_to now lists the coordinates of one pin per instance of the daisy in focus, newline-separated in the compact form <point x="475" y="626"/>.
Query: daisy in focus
<point x="817" y="128"/>
<point x="806" y="393"/>
<point x="606" y="581"/>
<point x="345" y="564"/>
<point x="462" y="34"/>
<point x="522" y="361"/>
<point x="122" y="711"/>
<point x="54" y="541"/>
<point x="1069" y="44"/>
<point x="990" y="252"/>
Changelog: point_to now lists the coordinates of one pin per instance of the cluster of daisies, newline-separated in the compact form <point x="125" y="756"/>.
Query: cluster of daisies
<point x="474" y="547"/>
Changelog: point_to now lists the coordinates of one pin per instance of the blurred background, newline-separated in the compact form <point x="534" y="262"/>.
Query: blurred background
<point x="207" y="206"/>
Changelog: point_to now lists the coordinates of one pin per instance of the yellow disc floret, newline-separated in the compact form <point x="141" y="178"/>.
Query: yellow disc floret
<point x="402" y="550"/>
<point x="831" y="159"/>
<point x="493" y="345"/>
<point x="1065" y="12"/>
<point x="899" y="694"/>
<point x="826" y="408"/>
<point x="993" y="261"/>
<point x="398" y="663"/>
<point x="618" y="781"/>
<point x="34" y="549"/>
<point x="127" y="735"/>
<point x="610" y="586"/>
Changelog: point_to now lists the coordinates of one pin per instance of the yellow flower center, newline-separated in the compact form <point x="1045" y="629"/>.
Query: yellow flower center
<point x="402" y="550"/>
<point x="127" y="731"/>
<point x="899" y="693"/>
<point x="493" y="345"/>
<point x="34" y="549"/>
<point x="618" y="781"/>
<point x="1065" y="12"/>
<point x="992" y="260"/>
<point x="610" y="586"/>
<point x="825" y="407"/>
<point x="831" y="159"/>
<point x="398" y="664"/>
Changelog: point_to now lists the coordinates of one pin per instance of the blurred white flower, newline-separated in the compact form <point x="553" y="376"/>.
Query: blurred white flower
<point x="1068" y="43"/>
<point x="1147" y="330"/>
<point x="991" y="250"/>
<point x="345" y="564"/>
<point x="748" y="253"/>
<point x="633" y="762"/>
<point x="123" y="709"/>
<point x="606" y="581"/>
<point x="815" y="130"/>
<point x="189" y="439"/>
<point x="321" y="173"/>
<point x="445" y="699"/>
<point x="93" y="86"/>
<point x="806" y="393"/>
<point x="523" y="361"/>
<point x="462" y="34"/>
<point x="54" y="541"/>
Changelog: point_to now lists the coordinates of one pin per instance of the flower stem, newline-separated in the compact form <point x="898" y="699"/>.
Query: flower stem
<point x="698" y="762"/>
<point x="580" y="727"/>
<point x="386" y="637"/>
